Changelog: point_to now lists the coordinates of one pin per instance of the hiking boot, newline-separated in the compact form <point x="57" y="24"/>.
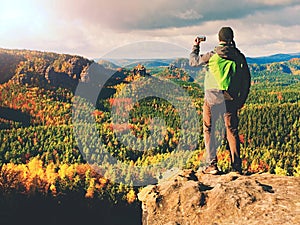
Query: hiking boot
<point x="211" y="169"/>
<point x="237" y="169"/>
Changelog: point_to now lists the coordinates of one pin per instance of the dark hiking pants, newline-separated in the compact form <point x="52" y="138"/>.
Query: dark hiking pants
<point x="211" y="114"/>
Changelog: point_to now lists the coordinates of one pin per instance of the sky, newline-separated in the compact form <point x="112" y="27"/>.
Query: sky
<point x="148" y="28"/>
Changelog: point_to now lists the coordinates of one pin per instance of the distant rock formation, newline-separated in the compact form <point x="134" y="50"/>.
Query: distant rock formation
<point x="40" y="68"/>
<point x="140" y="70"/>
<point x="8" y="65"/>
<point x="190" y="198"/>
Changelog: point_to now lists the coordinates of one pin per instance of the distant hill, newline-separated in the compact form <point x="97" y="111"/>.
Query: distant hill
<point x="183" y="62"/>
<point x="288" y="63"/>
<point x="130" y="63"/>
<point x="107" y="64"/>
<point x="272" y="58"/>
<point x="290" y="66"/>
<point x="149" y="63"/>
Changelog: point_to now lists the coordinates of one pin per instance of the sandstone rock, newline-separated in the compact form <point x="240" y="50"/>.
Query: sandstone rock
<point x="190" y="198"/>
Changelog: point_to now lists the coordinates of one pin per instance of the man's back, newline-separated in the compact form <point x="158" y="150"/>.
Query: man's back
<point x="227" y="71"/>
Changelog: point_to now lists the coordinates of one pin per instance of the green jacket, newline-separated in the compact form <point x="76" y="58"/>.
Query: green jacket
<point x="227" y="71"/>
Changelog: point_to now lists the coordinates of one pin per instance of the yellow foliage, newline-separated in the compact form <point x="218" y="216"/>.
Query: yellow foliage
<point x="91" y="189"/>
<point x="297" y="171"/>
<point x="71" y="170"/>
<point x="50" y="173"/>
<point x="62" y="172"/>
<point x="34" y="176"/>
<point x="280" y="171"/>
<point x="131" y="196"/>
<point x="53" y="189"/>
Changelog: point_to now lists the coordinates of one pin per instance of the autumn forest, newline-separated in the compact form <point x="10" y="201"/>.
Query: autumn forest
<point x="42" y="160"/>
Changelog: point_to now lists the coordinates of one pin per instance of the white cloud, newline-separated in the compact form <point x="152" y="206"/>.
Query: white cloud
<point x="189" y="14"/>
<point x="274" y="2"/>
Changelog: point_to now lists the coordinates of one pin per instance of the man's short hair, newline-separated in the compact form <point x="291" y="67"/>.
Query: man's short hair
<point x="226" y="34"/>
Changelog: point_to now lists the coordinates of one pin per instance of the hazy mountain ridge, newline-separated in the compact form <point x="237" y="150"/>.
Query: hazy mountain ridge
<point x="41" y="68"/>
<point x="292" y="65"/>
<point x="129" y="63"/>
<point x="287" y="63"/>
<point x="273" y="58"/>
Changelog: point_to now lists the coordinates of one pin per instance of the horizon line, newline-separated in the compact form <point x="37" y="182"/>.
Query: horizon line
<point x="98" y="58"/>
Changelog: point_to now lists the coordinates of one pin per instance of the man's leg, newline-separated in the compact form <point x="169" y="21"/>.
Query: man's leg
<point x="231" y="123"/>
<point x="210" y="117"/>
<point x="209" y="134"/>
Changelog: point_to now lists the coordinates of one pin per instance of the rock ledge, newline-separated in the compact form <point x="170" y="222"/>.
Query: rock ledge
<point x="190" y="198"/>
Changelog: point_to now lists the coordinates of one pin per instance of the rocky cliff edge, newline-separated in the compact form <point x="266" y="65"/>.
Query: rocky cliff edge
<point x="190" y="198"/>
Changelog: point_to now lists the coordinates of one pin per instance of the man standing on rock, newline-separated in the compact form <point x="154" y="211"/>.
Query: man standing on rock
<point x="227" y="84"/>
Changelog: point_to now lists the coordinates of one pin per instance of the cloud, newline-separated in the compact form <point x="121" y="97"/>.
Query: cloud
<point x="189" y="14"/>
<point x="157" y="14"/>
<point x="94" y="27"/>
<point x="274" y="2"/>
<point x="286" y="16"/>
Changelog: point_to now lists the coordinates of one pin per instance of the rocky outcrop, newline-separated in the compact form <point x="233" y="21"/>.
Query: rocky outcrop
<point x="8" y="65"/>
<point x="140" y="70"/>
<point x="42" y="68"/>
<point x="190" y="198"/>
<point x="60" y="79"/>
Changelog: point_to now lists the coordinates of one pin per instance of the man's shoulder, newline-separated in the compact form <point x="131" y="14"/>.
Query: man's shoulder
<point x="207" y="56"/>
<point x="240" y="54"/>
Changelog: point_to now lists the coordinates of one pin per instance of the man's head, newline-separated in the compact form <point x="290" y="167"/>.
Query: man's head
<point x="226" y="34"/>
